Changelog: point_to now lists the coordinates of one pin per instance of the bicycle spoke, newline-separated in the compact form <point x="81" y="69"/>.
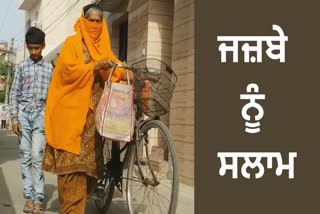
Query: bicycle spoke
<point x="138" y="189"/>
<point x="161" y="195"/>
<point x="165" y="174"/>
<point x="166" y="186"/>
<point x="162" y="203"/>
<point x="162" y="177"/>
<point x="136" y="180"/>
<point x="144" y="196"/>
<point x="152" y="202"/>
<point x="153" y="181"/>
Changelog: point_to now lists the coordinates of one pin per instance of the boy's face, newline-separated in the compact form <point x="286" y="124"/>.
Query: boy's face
<point x="35" y="51"/>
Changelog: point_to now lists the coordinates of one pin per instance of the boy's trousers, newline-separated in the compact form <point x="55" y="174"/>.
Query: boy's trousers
<point x="31" y="144"/>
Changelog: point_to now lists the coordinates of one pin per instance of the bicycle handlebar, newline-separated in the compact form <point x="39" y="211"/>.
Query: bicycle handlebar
<point x="142" y="74"/>
<point x="117" y="65"/>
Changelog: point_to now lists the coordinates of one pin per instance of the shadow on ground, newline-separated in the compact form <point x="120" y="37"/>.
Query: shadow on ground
<point x="54" y="205"/>
<point x="6" y="203"/>
<point x="9" y="147"/>
<point x="118" y="205"/>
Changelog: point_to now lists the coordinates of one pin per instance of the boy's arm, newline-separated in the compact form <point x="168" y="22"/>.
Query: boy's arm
<point x="15" y="93"/>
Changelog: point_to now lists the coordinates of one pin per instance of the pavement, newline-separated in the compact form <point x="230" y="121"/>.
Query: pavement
<point x="11" y="197"/>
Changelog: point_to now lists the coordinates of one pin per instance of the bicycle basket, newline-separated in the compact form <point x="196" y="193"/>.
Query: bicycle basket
<point x="154" y="85"/>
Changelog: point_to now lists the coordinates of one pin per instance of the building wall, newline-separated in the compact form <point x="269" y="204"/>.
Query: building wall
<point x="137" y="30"/>
<point x="56" y="19"/>
<point x="114" y="20"/>
<point x="182" y="104"/>
<point x="164" y="29"/>
<point x="160" y="25"/>
<point x="150" y="30"/>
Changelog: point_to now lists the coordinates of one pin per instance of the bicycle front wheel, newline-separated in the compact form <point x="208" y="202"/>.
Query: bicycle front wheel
<point x="152" y="185"/>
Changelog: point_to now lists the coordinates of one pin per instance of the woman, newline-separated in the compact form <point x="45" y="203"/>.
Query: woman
<point x="74" y="148"/>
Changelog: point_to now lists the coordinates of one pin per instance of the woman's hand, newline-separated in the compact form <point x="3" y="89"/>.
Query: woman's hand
<point x="130" y="74"/>
<point x="104" y="64"/>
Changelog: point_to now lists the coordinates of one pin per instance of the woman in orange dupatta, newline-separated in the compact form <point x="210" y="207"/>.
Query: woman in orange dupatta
<point x="74" y="148"/>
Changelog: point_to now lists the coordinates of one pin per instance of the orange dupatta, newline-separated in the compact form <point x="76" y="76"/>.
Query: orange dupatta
<point x="69" y="95"/>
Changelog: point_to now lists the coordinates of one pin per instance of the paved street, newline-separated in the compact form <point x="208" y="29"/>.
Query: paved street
<point x="11" y="198"/>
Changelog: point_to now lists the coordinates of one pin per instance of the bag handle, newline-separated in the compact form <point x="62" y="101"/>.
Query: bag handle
<point x="112" y="70"/>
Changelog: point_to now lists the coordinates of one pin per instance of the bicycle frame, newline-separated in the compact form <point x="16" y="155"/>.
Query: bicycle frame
<point x="115" y="169"/>
<point x="137" y="141"/>
<point x="116" y="166"/>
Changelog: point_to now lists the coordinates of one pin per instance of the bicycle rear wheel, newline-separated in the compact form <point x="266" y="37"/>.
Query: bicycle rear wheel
<point x="152" y="185"/>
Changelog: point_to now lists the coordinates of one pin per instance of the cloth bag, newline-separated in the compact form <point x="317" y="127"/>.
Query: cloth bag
<point x="114" y="114"/>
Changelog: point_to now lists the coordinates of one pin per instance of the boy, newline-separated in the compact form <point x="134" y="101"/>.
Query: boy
<point x="27" y="105"/>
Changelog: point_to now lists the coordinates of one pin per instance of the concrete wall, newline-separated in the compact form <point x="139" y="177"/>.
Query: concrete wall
<point x="182" y="105"/>
<point x="56" y="19"/>
<point x="137" y="30"/>
<point x="164" y="29"/>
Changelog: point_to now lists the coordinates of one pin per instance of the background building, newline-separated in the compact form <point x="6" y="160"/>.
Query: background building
<point x="7" y="63"/>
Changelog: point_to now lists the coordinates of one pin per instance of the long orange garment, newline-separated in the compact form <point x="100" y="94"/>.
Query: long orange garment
<point x="69" y="95"/>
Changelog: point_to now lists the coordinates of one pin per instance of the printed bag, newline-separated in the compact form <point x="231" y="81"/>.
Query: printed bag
<point x="114" y="114"/>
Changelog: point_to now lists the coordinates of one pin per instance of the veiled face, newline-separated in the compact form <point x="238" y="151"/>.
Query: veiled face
<point x="94" y="16"/>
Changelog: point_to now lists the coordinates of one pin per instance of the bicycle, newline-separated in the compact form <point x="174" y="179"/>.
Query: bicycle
<point x="147" y="175"/>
